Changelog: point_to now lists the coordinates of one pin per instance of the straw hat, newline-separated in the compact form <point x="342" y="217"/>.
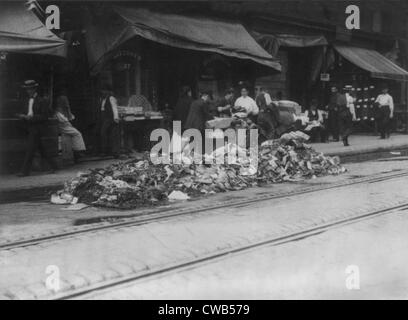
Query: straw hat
<point x="28" y="84"/>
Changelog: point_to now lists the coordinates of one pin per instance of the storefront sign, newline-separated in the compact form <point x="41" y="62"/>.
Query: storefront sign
<point x="126" y="53"/>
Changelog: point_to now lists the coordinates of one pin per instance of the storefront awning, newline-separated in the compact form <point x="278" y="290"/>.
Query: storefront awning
<point x="373" y="62"/>
<point x="187" y="32"/>
<point x="21" y="31"/>
<point x="272" y="42"/>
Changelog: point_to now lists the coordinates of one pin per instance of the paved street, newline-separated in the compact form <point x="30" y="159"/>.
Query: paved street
<point x="113" y="188"/>
<point x="314" y="268"/>
<point x="30" y="218"/>
<point x="106" y="255"/>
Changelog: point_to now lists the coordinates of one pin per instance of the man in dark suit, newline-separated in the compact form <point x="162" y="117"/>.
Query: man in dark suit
<point x="333" y="112"/>
<point x="35" y="118"/>
<point x="200" y="113"/>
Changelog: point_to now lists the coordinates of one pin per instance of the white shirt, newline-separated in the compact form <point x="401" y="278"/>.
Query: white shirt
<point x="248" y="104"/>
<point x="385" y="100"/>
<point x="268" y="99"/>
<point x="30" y="112"/>
<point x="350" y="104"/>
<point x="114" y="105"/>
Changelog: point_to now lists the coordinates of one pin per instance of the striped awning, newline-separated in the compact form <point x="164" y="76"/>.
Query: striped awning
<point x="372" y="61"/>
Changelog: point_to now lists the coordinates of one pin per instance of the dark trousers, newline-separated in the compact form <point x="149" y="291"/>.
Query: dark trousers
<point x="317" y="134"/>
<point x="345" y="124"/>
<point x="384" y="123"/>
<point x="333" y="122"/>
<point x="110" y="142"/>
<point x="34" y="143"/>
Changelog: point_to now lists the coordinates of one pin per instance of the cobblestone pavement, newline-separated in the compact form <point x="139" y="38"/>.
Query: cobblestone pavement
<point x="365" y="260"/>
<point x="29" y="218"/>
<point x="106" y="255"/>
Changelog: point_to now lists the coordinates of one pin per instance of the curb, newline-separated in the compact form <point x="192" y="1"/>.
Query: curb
<point x="13" y="195"/>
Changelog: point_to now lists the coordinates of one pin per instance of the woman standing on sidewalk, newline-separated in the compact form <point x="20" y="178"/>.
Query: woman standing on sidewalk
<point x="385" y="112"/>
<point x="64" y="116"/>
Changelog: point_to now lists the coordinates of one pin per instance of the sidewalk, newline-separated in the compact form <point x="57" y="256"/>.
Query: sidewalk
<point x="12" y="187"/>
<point x="362" y="147"/>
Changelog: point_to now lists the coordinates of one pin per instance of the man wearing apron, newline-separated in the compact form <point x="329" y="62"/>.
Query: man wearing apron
<point x="110" y="143"/>
<point x="385" y="112"/>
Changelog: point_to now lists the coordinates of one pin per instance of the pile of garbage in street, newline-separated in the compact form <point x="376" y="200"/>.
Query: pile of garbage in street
<point x="135" y="183"/>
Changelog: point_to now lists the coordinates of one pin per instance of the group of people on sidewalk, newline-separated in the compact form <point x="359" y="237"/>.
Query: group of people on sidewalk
<point x="35" y="116"/>
<point x="195" y="113"/>
<point x="337" y="118"/>
<point x="37" y="112"/>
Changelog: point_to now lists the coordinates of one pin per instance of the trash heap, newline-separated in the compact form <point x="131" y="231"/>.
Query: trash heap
<point x="136" y="183"/>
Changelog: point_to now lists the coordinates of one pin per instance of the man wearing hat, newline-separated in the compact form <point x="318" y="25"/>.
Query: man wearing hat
<point x="346" y="115"/>
<point x="110" y="140"/>
<point x="336" y="99"/>
<point x="385" y="105"/>
<point x="35" y="119"/>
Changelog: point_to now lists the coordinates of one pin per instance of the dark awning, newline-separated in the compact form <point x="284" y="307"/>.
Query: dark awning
<point x="272" y="42"/>
<point x="195" y="33"/>
<point x="21" y="31"/>
<point x="373" y="62"/>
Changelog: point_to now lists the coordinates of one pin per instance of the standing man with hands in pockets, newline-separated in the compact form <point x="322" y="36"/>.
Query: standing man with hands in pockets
<point x="385" y="105"/>
<point x="35" y="118"/>
<point x="109" y="123"/>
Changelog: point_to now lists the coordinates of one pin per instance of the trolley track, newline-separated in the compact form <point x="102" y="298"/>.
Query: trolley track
<point x="90" y="291"/>
<point x="159" y="215"/>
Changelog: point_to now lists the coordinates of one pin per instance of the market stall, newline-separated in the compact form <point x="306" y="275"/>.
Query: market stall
<point x="365" y="69"/>
<point x="152" y="54"/>
<point x="28" y="50"/>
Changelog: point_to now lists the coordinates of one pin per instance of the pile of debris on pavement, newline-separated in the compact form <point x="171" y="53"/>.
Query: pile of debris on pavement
<point x="135" y="183"/>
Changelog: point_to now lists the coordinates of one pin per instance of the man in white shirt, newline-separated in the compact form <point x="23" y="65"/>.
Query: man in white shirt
<point x="385" y="105"/>
<point x="350" y="101"/>
<point x="246" y="104"/>
<point x="109" y="123"/>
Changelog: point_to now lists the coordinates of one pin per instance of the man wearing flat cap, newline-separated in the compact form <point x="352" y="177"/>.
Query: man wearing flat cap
<point x="35" y="118"/>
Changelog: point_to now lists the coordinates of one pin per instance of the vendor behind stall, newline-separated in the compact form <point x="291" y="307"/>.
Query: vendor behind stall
<point x="263" y="98"/>
<point x="200" y="113"/>
<point x="245" y="104"/>
<point x="225" y="104"/>
<point x="109" y="122"/>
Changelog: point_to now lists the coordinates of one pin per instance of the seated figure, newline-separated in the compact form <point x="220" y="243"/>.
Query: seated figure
<point x="315" y="126"/>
